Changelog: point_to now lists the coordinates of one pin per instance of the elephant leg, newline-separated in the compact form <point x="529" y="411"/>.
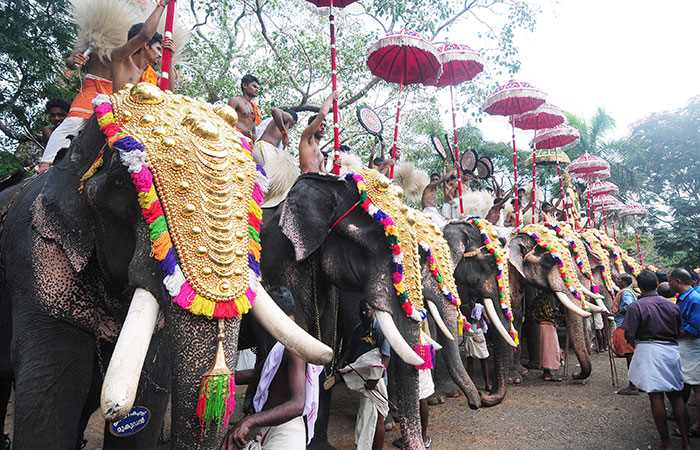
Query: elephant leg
<point x="320" y="440"/>
<point x="153" y="393"/>
<point x="406" y="377"/>
<point x="575" y="329"/>
<point x="192" y="353"/>
<point x="501" y="350"/>
<point x="5" y="391"/>
<point x="53" y="364"/>
<point x="444" y="385"/>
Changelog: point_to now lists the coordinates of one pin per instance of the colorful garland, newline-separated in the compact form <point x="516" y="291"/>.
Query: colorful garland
<point x="392" y="238"/>
<point x="133" y="156"/>
<point x="620" y="255"/>
<point x="436" y="274"/>
<point x="577" y="254"/>
<point x="501" y="271"/>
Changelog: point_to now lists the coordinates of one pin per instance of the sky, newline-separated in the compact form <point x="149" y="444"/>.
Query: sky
<point x="631" y="57"/>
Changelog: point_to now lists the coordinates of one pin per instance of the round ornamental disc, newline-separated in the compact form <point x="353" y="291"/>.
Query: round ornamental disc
<point x="437" y="143"/>
<point x="370" y="121"/>
<point x="486" y="166"/>
<point x="468" y="161"/>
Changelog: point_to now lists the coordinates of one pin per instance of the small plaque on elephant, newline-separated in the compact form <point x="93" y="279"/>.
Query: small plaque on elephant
<point x="135" y="421"/>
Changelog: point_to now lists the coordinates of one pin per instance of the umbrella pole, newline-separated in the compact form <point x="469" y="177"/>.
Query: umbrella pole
<point x="534" y="176"/>
<point x="590" y="211"/>
<point x="396" y="128"/>
<point x="167" y="54"/>
<point x="334" y="81"/>
<point x="639" y="247"/>
<point x="515" y="175"/>
<point x="561" y="185"/>
<point x="613" y="226"/>
<point x="454" y="131"/>
<point x="605" y="219"/>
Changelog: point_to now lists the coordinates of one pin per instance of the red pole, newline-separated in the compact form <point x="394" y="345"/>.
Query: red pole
<point x="605" y="220"/>
<point x="639" y="248"/>
<point x="534" y="176"/>
<point x="590" y="211"/>
<point x="396" y="128"/>
<point x="167" y="54"/>
<point x="561" y="185"/>
<point x="614" y="232"/>
<point x="515" y="176"/>
<point x="454" y="131"/>
<point x="334" y="80"/>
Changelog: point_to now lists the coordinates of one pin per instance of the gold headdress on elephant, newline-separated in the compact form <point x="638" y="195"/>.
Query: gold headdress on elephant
<point x="595" y="246"/>
<point x="199" y="192"/>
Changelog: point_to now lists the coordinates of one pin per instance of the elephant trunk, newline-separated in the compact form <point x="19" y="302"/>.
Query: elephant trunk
<point x="498" y="393"/>
<point x="574" y="327"/>
<point x="124" y="370"/>
<point x="407" y="402"/>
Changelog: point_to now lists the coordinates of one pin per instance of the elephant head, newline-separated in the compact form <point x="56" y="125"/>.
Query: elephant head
<point x="544" y="261"/>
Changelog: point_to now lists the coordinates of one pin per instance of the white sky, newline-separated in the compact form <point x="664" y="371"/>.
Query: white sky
<point x="631" y="57"/>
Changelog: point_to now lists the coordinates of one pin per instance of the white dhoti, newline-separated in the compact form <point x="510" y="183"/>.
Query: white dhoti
<point x="435" y="215"/>
<point x="690" y="360"/>
<point x="426" y="387"/>
<point x="263" y="151"/>
<point x="476" y="344"/>
<point x="59" y="139"/>
<point x="451" y="209"/>
<point x="373" y="402"/>
<point x="656" y="367"/>
<point x="287" y="436"/>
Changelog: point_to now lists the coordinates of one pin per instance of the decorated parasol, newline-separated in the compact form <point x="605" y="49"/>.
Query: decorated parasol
<point x="602" y="187"/>
<point x="605" y="188"/>
<point x="545" y="116"/>
<point x="460" y="63"/>
<point x="635" y="210"/>
<point x="603" y="201"/>
<point x="587" y="168"/>
<point x="403" y="57"/>
<point x="334" y="74"/>
<point x="512" y="99"/>
<point x="548" y="157"/>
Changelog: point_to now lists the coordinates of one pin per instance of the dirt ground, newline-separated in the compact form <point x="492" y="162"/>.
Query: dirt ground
<point x="534" y="415"/>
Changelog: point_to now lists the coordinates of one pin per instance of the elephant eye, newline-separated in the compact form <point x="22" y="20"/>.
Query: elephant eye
<point x="118" y="182"/>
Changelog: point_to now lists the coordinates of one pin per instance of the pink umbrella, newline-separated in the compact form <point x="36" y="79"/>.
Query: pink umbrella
<point x="460" y="63"/>
<point x="512" y="99"/>
<point x="403" y="57"/>
<point x="603" y="201"/>
<point x="587" y="168"/>
<point x="634" y="210"/>
<point x="611" y="209"/>
<point x="334" y="74"/>
<point x="601" y="187"/>
<point x="545" y="116"/>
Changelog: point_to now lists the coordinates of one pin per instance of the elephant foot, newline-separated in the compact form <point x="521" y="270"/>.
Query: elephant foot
<point x="317" y="445"/>
<point x="522" y="370"/>
<point x="488" y="400"/>
<point x="453" y="393"/>
<point x="436" y="399"/>
<point x="514" y="378"/>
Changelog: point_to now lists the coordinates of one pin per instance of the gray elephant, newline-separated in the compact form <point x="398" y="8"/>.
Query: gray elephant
<point x="85" y="294"/>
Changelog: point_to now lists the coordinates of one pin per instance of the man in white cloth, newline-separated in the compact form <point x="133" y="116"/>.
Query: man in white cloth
<point x="429" y="198"/>
<point x="369" y="353"/>
<point x="653" y="324"/>
<point x="689" y="338"/>
<point x="287" y="390"/>
<point x="274" y="135"/>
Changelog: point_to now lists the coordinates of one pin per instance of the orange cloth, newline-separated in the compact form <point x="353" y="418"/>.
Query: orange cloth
<point x="150" y="76"/>
<point x="619" y="344"/>
<point x="256" y="111"/>
<point x="82" y="105"/>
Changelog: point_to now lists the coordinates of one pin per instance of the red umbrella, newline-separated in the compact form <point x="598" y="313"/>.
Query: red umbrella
<point x="403" y="57"/>
<point x="604" y="201"/>
<point x="460" y="63"/>
<point x="334" y="75"/>
<point x="587" y="168"/>
<point x="545" y="116"/>
<point x="634" y="210"/>
<point x="556" y="137"/>
<point x="602" y="187"/>
<point x="512" y="99"/>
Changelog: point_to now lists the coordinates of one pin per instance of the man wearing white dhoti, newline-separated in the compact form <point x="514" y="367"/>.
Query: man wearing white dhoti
<point x="287" y="391"/>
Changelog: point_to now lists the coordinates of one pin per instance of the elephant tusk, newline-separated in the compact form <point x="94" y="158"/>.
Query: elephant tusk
<point x="124" y="370"/>
<point x="287" y="332"/>
<point x="590" y="294"/>
<point x="430" y="341"/>
<point x="616" y="288"/>
<point x="566" y="301"/>
<point x="592" y="307"/>
<point x="496" y="322"/>
<point x="438" y="320"/>
<point x="599" y="302"/>
<point x="396" y="341"/>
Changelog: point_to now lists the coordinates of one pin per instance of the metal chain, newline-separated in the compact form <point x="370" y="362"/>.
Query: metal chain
<point x="155" y="385"/>
<point x="98" y="352"/>
<point x="326" y="371"/>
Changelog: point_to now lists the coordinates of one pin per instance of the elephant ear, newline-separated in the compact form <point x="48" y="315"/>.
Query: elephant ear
<point x="307" y="213"/>
<point x="59" y="212"/>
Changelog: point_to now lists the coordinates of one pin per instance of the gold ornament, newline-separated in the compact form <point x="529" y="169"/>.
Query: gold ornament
<point x="146" y="94"/>
<point x="228" y="114"/>
<point x="427" y="231"/>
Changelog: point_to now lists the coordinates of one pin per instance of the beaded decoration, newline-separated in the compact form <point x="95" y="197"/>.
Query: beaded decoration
<point x="491" y="243"/>
<point x="620" y="255"/>
<point x="391" y="232"/>
<point x="565" y="232"/>
<point x="595" y="247"/>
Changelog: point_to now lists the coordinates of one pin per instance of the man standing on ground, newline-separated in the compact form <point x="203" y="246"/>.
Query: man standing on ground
<point x="653" y="324"/>
<point x="143" y="48"/>
<point x="247" y="110"/>
<point x="429" y="198"/>
<point x="57" y="110"/>
<point x="620" y="305"/>
<point x="310" y="156"/>
<point x="689" y="338"/>
<point x="274" y="138"/>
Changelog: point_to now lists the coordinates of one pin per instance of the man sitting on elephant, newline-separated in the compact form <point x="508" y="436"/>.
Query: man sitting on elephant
<point x="287" y="390"/>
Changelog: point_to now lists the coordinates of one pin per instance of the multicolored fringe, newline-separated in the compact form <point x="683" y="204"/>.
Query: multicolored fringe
<point x="427" y="352"/>
<point x="619" y="258"/>
<point x="500" y="273"/>
<point x="577" y="254"/>
<point x="216" y="401"/>
<point x="133" y="156"/>
<point x="392" y="238"/>
<point x="436" y="274"/>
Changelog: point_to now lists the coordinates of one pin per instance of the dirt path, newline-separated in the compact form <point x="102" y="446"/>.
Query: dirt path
<point x="534" y="415"/>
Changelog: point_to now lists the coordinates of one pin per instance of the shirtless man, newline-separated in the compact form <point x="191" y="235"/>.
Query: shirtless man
<point x="285" y="381"/>
<point x="57" y="110"/>
<point x="143" y="47"/>
<point x="275" y="138"/>
<point x="494" y="214"/>
<point x="310" y="157"/>
<point x="248" y="114"/>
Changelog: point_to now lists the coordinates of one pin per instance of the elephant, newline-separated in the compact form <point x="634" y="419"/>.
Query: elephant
<point x="476" y="276"/>
<point x="85" y="294"/>
<point x="320" y="238"/>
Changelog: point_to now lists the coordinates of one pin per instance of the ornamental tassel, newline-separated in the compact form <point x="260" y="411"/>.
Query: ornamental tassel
<point x="427" y="353"/>
<point x="216" y="394"/>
